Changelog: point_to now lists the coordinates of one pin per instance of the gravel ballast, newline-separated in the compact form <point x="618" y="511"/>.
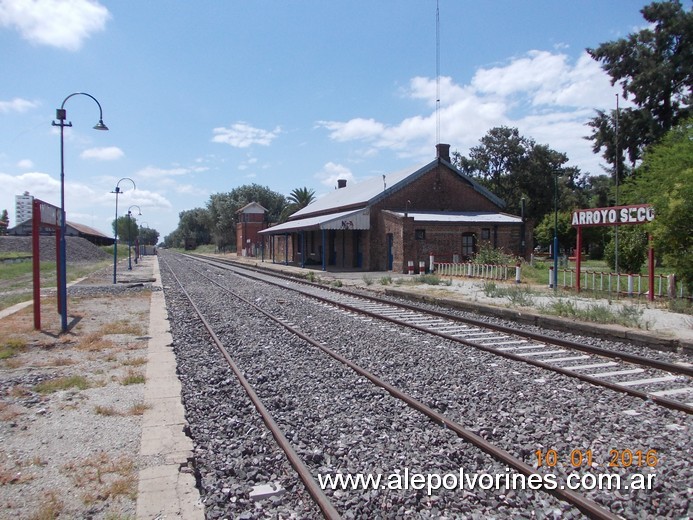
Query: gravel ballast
<point x="332" y="415"/>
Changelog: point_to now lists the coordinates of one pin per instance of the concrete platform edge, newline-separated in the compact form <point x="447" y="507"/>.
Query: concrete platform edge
<point x="167" y="489"/>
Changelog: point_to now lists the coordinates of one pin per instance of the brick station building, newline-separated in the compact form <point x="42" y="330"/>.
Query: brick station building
<point x="382" y="224"/>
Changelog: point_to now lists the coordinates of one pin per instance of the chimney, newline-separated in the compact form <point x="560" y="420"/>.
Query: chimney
<point x="443" y="152"/>
<point x="341" y="183"/>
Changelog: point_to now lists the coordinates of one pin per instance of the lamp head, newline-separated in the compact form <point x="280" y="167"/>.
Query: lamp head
<point x="100" y="125"/>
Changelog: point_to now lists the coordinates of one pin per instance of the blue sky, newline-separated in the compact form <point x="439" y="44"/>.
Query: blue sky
<point x="204" y="96"/>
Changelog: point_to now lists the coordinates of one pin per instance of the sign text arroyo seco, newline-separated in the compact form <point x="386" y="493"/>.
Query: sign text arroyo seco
<point x="635" y="214"/>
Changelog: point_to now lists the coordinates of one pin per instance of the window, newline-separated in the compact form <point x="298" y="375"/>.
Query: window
<point x="420" y="234"/>
<point x="485" y="234"/>
<point x="468" y="242"/>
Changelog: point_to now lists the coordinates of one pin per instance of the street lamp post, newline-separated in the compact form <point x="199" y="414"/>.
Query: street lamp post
<point x="61" y="116"/>
<point x="115" y="224"/>
<point x="555" y="232"/>
<point x="130" y="234"/>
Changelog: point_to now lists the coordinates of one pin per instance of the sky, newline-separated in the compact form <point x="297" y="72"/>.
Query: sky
<point x="204" y="96"/>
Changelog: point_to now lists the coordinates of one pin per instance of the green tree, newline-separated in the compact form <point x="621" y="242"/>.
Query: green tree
<point x="665" y="180"/>
<point x="632" y="249"/>
<point x="223" y="207"/>
<point x="655" y="69"/>
<point x="4" y="222"/>
<point x="298" y="199"/>
<point x="514" y="167"/>
<point x="148" y="236"/>
<point x="194" y="224"/>
<point x="127" y="228"/>
<point x="567" y="235"/>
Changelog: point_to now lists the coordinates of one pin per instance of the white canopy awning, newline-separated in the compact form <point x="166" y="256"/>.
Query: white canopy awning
<point x="347" y="220"/>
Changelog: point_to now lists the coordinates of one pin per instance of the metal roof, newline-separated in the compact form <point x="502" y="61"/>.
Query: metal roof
<point x="372" y="190"/>
<point x="461" y="217"/>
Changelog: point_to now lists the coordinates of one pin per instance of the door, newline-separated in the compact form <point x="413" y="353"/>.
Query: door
<point x="389" y="252"/>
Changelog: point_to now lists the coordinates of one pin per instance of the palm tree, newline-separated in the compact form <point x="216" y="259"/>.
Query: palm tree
<point x="298" y="199"/>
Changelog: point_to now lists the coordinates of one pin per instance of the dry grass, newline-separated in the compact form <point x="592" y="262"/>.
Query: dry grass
<point x="9" y="412"/>
<point x="94" y="342"/>
<point x="51" y="507"/>
<point x="139" y="408"/>
<point x="136" y="362"/>
<point x="123" y="327"/>
<point x="101" y="477"/>
<point x="107" y="411"/>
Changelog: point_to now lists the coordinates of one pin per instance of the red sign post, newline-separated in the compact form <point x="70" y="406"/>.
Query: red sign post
<point x="44" y="215"/>
<point x="614" y="216"/>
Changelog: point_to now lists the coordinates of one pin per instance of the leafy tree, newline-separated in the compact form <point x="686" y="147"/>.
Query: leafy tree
<point x="194" y="224"/>
<point x="567" y="235"/>
<point x="665" y="180"/>
<point x="632" y="249"/>
<point x="515" y="167"/>
<point x="223" y="207"/>
<point x="128" y="230"/>
<point x="655" y="70"/>
<point x="148" y="236"/>
<point x="4" y="222"/>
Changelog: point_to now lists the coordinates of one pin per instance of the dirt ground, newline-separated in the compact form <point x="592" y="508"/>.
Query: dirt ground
<point x="71" y="404"/>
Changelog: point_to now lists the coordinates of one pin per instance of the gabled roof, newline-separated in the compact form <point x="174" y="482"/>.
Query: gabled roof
<point x="369" y="192"/>
<point x="257" y="208"/>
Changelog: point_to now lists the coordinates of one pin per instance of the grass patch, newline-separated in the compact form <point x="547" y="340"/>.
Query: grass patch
<point x="518" y="295"/>
<point x="432" y="279"/>
<point x="367" y="280"/>
<point x="62" y="383"/>
<point x="12" y="347"/>
<point x="132" y="378"/>
<point x="386" y="280"/>
<point x="628" y="315"/>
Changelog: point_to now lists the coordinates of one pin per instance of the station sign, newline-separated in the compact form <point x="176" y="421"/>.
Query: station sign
<point x="614" y="216"/>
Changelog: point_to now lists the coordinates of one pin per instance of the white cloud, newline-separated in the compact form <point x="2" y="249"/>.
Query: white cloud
<point x="109" y="153"/>
<point x="160" y="173"/>
<point x="242" y="135"/>
<point x="16" y="104"/>
<point x="331" y="172"/>
<point x="544" y="94"/>
<point x="25" y="164"/>
<point x="57" y="23"/>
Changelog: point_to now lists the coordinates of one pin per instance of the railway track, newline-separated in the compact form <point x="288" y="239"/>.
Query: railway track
<point x="580" y="501"/>
<point x="666" y="384"/>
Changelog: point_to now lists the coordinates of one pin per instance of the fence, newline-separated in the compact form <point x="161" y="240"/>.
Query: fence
<point x="665" y="286"/>
<point x="473" y="270"/>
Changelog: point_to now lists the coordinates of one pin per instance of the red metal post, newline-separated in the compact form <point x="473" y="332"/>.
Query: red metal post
<point x="578" y="258"/>
<point x="36" y="261"/>
<point x="651" y="267"/>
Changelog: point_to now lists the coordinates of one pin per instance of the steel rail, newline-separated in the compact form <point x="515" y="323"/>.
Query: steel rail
<point x="599" y="351"/>
<point x="659" y="400"/>
<point x="322" y="501"/>
<point x="584" y="504"/>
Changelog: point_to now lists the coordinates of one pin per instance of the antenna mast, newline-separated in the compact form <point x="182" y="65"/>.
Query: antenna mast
<point x="437" y="72"/>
